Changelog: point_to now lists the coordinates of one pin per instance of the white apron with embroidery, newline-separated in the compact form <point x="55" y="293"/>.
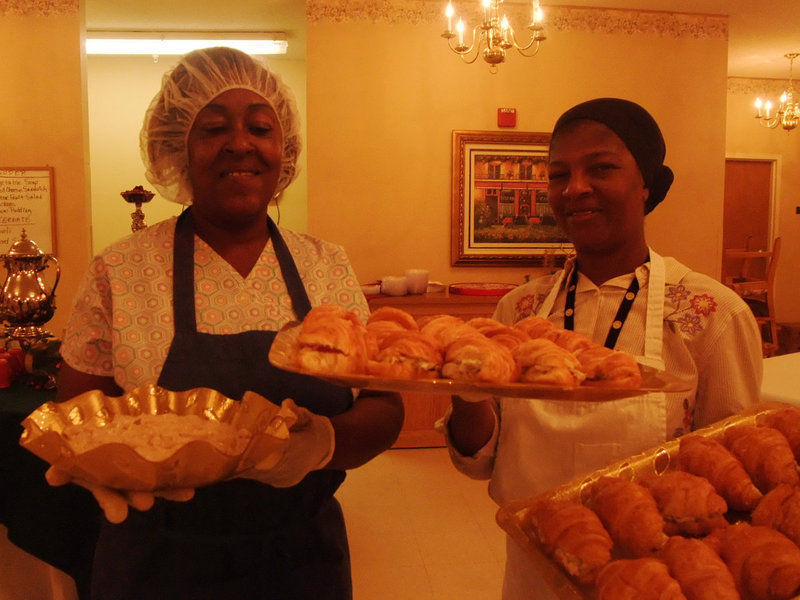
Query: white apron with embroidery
<point x="567" y="439"/>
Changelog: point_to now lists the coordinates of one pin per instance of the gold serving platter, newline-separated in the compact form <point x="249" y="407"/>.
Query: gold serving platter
<point x="264" y="427"/>
<point x="654" y="461"/>
<point x="284" y="348"/>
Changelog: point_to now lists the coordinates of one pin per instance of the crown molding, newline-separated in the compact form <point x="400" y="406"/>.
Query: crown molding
<point x="744" y="86"/>
<point x="557" y="18"/>
<point x="39" y="8"/>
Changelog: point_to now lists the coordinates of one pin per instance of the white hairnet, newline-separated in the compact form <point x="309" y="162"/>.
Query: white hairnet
<point x="198" y="78"/>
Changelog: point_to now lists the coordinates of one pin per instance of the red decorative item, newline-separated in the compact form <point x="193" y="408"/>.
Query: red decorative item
<point x="12" y="364"/>
<point x="506" y="117"/>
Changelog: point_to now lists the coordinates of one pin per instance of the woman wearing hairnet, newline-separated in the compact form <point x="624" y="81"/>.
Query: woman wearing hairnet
<point x="195" y="301"/>
<point x="606" y="171"/>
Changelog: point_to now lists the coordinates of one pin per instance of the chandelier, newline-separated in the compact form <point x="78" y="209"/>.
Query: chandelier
<point x="787" y="115"/>
<point x="493" y="35"/>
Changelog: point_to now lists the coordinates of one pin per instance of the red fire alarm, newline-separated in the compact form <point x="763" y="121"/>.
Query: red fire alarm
<point x="506" y="117"/>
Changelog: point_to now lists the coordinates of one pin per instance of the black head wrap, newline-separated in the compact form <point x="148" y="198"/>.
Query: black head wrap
<point x="640" y="133"/>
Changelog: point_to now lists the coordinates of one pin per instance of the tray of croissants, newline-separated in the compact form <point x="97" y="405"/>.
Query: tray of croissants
<point x="713" y="515"/>
<point x="394" y="351"/>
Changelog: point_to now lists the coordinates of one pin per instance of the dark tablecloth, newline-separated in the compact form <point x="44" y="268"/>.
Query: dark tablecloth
<point x="57" y="525"/>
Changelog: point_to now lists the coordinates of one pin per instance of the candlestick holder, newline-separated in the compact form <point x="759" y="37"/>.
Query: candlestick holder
<point x="137" y="196"/>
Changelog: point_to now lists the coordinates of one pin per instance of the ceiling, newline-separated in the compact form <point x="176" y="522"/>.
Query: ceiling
<point x="760" y="31"/>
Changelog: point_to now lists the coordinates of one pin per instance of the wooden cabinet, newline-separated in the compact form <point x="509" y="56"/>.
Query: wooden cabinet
<point x="422" y="410"/>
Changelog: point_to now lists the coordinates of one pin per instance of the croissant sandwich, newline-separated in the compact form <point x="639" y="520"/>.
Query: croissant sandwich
<point x="570" y="533"/>
<point x="387" y="320"/>
<point x="571" y="340"/>
<point x="393" y="315"/>
<point x="536" y="327"/>
<point x="710" y="459"/>
<point x="765" y="563"/>
<point x="478" y="359"/>
<point x="780" y="510"/>
<point x="544" y="362"/>
<point x="637" y="579"/>
<point x="446" y="328"/>
<point x="407" y="355"/>
<point x="629" y="513"/>
<point x="486" y="325"/>
<point x="607" y="367"/>
<point x="699" y="570"/>
<point x="765" y="454"/>
<point x="332" y="340"/>
<point x="689" y="503"/>
<point x="508" y="337"/>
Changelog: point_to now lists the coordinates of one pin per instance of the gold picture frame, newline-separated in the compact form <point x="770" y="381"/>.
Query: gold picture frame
<point x="500" y="215"/>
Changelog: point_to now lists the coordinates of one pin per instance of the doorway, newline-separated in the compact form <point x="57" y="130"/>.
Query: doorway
<point x="747" y="220"/>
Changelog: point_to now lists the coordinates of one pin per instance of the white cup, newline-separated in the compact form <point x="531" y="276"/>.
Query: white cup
<point x="417" y="280"/>
<point x="392" y="285"/>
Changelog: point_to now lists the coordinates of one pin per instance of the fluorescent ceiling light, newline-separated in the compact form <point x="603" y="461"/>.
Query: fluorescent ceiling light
<point x="173" y="42"/>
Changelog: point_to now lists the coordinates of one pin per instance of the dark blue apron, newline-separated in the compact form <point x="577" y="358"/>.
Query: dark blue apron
<point x="238" y="539"/>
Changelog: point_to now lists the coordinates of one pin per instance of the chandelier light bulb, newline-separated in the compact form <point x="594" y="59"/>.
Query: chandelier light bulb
<point x="537" y="12"/>
<point x="494" y="36"/>
<point x="787" y="113"/>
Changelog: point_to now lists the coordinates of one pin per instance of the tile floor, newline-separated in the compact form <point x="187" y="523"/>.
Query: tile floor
<point x="420" y="530"/>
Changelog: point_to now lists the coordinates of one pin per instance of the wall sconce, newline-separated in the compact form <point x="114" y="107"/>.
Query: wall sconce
<point x="180" y="42"/>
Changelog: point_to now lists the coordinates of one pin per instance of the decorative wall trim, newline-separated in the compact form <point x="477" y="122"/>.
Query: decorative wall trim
<point x="39" y="8"/>
<point x="557" y="18"/>
<point x="769" y="88"/>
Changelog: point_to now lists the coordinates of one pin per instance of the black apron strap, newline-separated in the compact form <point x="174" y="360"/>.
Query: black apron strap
<point x="183" y="275"/>
<point x="294" y="283"/>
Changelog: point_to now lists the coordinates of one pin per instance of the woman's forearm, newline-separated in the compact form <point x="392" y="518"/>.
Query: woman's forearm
<point x="471" y="425"/>
<point x="367" y="429"/>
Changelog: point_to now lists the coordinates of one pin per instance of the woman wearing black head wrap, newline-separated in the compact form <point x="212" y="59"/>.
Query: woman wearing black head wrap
<point x="606" y="172"/>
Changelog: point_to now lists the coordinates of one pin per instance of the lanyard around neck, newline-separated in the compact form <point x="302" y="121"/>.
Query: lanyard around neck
<point x="619" y="319"/>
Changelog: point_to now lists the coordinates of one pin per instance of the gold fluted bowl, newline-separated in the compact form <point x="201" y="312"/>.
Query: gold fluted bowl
<point x="199" y="456"/>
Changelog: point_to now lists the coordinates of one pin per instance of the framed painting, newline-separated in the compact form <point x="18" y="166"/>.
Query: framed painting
<point x="500" y="215"/>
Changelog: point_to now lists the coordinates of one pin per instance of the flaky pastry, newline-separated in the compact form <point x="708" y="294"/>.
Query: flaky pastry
<point x="607" y="367"/>
<point x="637" y="579"/>
<point x="407" y="355"/>
<point x="708" y="458"/>
<point x="571" y="340"/>
<point x="780" y="510"/>
<point x="689" y="503"/>
<point x="393" y="315"/>
<point x="765" y="564"/>
<point x="787" y="421"/>
<point x="765" y="454"/>
<point x="476" y="358"/>
<point x="332" y="340"/>
<point x="446" y="328"/>
<point x="486" y="325"/>
<point x="508" y="337"/>
<point x="700" y="571"/>
<point x="542" y="361"/>
<point x="571" y="534"/>
<point x="629" y="513"/>
<point x="536" y="326"/>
